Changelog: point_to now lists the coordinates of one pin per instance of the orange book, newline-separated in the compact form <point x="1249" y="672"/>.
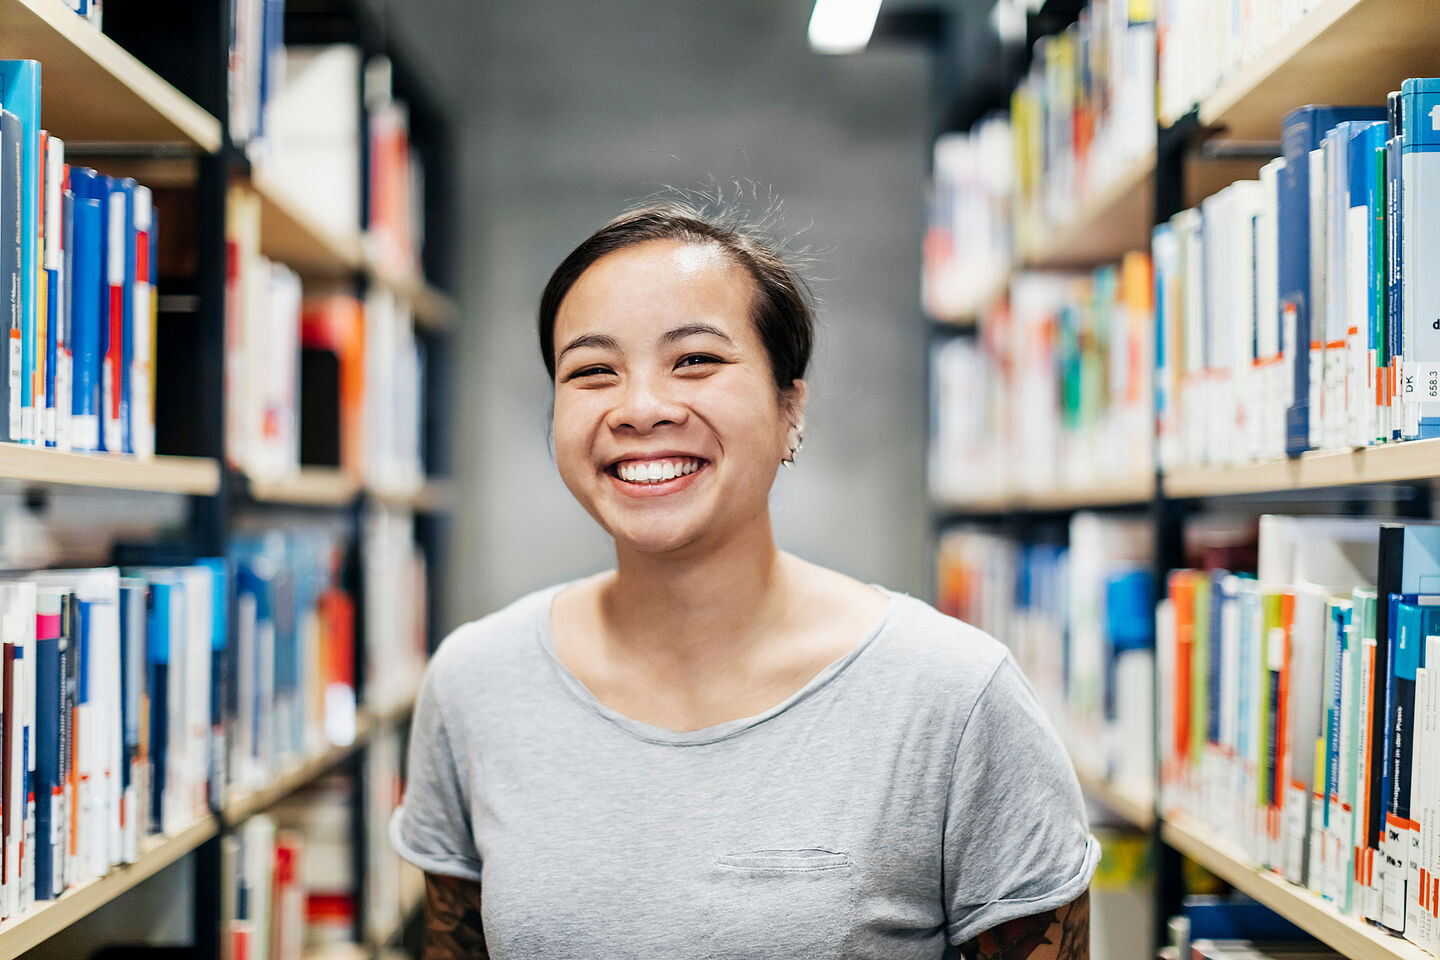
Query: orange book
<point x="334" y="325"/>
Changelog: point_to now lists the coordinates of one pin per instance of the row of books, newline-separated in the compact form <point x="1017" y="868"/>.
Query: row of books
<point x="1298" y="718"/>
<point x="1085" y="112"/>
<point x="108" y="722"/>
<point x="77" y="266"/>
<point x="969" y="238"/>
<point x="325" y="380"/>
<point x="1291" y="308"/>
<point x="1200" y="43"/>
<point x="1055" y="392"/>
<point x="288" y="875"/>
<point x="138" y="699"/>
<point x="397" y="599"/>
<point x="1076" y="611"/>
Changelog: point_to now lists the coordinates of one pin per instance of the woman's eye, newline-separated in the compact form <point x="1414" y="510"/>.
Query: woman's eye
<point x="696" y="359"/>
<point x="596" y="371"/>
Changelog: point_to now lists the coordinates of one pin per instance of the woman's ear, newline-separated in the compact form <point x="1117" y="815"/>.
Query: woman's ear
<point x="795" y="404"/>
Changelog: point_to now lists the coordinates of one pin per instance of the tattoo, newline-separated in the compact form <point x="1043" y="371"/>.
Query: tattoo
<point x="453" y="929"/>
<point x="1060" y="934"/>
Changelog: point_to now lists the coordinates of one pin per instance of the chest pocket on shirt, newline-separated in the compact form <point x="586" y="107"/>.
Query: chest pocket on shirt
<point x="784" y="903"/>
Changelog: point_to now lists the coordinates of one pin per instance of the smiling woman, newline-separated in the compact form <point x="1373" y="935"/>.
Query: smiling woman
<point x="717" y="749"/>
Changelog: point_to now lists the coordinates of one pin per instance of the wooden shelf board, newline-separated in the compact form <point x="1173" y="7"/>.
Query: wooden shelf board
<point x="92" y="90"/>
<point x="1134" y="803"/>
<point x="969" y="314"/>
<point x="240" y="804"/>
<point x="48" y="918"/>
<point x="291" y="235"/>
<point x="432" y="309"/>
<point x="1103" y="494"/>
<point x="434" y="496"/>
<point x="1356" y="940"/>
<point x="312" y="486"/>
<point x="1387" y="463"/>
<point x="1342" y="51"/>
<point x="336" y="951"/>
<point x="1106" y="227"/>
<point x="192" y="475"/>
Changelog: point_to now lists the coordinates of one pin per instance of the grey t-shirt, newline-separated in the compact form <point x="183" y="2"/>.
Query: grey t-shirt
<point x="912" y="791"/>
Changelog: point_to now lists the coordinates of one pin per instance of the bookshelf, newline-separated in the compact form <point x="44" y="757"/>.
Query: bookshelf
<point x="93" y="91"/>
<point x="49" y="918"/>
<point x="148" y="98"/>
<point x="1356" y="940"/>
<point x="1343" y="51"/>
<point x="1340" y="52"/>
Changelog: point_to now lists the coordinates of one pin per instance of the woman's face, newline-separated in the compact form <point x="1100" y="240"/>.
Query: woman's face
<point x="668" y="426"/>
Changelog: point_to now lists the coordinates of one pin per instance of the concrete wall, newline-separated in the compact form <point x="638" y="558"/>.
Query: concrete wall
<point x="574" y="110"/>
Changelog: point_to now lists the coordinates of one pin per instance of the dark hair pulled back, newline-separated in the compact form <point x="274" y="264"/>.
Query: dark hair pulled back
<point x="780" y="308"/>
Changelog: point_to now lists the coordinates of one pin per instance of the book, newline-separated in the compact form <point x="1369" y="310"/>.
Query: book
<point x="12" y="300"/>
<point x="1420" y="290"/>
<point x="20" y="93"/>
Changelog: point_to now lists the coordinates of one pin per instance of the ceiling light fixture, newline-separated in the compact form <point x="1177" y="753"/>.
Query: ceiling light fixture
<point x="842" y="26"/>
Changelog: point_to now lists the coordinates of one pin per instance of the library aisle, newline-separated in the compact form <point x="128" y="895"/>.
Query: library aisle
<point x="1126" y="354"/>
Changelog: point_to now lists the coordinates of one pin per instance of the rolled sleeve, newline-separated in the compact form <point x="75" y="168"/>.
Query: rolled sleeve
<point x="431" y="828"/>
<point x="1016" y="838"/>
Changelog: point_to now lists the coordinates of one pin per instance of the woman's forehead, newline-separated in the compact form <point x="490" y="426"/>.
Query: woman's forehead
<point x="658" y="282"/>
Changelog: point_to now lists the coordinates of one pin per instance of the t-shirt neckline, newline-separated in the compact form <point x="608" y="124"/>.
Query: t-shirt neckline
<point x="715" y="732"/>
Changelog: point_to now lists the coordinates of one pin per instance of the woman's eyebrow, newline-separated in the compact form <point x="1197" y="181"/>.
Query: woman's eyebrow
<point x="692" y="329"/>
<point x="599" y="341"/>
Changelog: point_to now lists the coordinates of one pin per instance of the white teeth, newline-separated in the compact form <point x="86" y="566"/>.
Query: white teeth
<point x="655" y="471"/>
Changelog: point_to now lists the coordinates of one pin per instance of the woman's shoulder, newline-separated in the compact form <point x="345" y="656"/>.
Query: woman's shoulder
<point x="489" y="648"/>
<point x="937" y="650"/>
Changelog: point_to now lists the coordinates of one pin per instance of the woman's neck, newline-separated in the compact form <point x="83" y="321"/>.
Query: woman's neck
<point x="703" y="610"/>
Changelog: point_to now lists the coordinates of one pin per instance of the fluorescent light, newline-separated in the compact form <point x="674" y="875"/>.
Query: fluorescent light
<point x="842" y="26"/>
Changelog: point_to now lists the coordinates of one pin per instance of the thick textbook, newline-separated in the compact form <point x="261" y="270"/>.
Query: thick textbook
<point x="20" y="94"/>
<point x="1419" y="282"/>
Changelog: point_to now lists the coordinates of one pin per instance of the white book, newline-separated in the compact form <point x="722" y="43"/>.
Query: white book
<point x="142" y="403"/>
<point x="1318" y="294"/>
<point x="1415" y="927"/>
<point x="199" y="606"/>
<point x="1275" y="386"/>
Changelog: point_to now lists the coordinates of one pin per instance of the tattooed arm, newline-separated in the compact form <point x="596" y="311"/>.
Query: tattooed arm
<point x="452" y="919"/>
<point x="1059" y="934"/>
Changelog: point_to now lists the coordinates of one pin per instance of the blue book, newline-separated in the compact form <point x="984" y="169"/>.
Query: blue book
<point x="1219" y="600"/>
<point x="85" y="298"/>
<point x="20" y="93"/>
<point x="12" y="188"/>
<point x="49" y="774"/>
<point x="1419" y="252"/>
<point x="1302" y="131"/>
<point x="157" y="675"/>
<point x="1337" y="629"/>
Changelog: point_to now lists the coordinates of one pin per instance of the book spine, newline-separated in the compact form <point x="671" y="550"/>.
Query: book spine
<point x="1420" y="287"/>
<point x="54" y="261"/>
<point x="20" y="92"/>
<point x="48" y="790"/>
<point x="157" y="680"/>
<point x="141" y="364"/>
<point x="64" y="360"/>
<point x="117" y="221"/>
<point x="11" y="271"/>
<point x="85" y="404"/>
